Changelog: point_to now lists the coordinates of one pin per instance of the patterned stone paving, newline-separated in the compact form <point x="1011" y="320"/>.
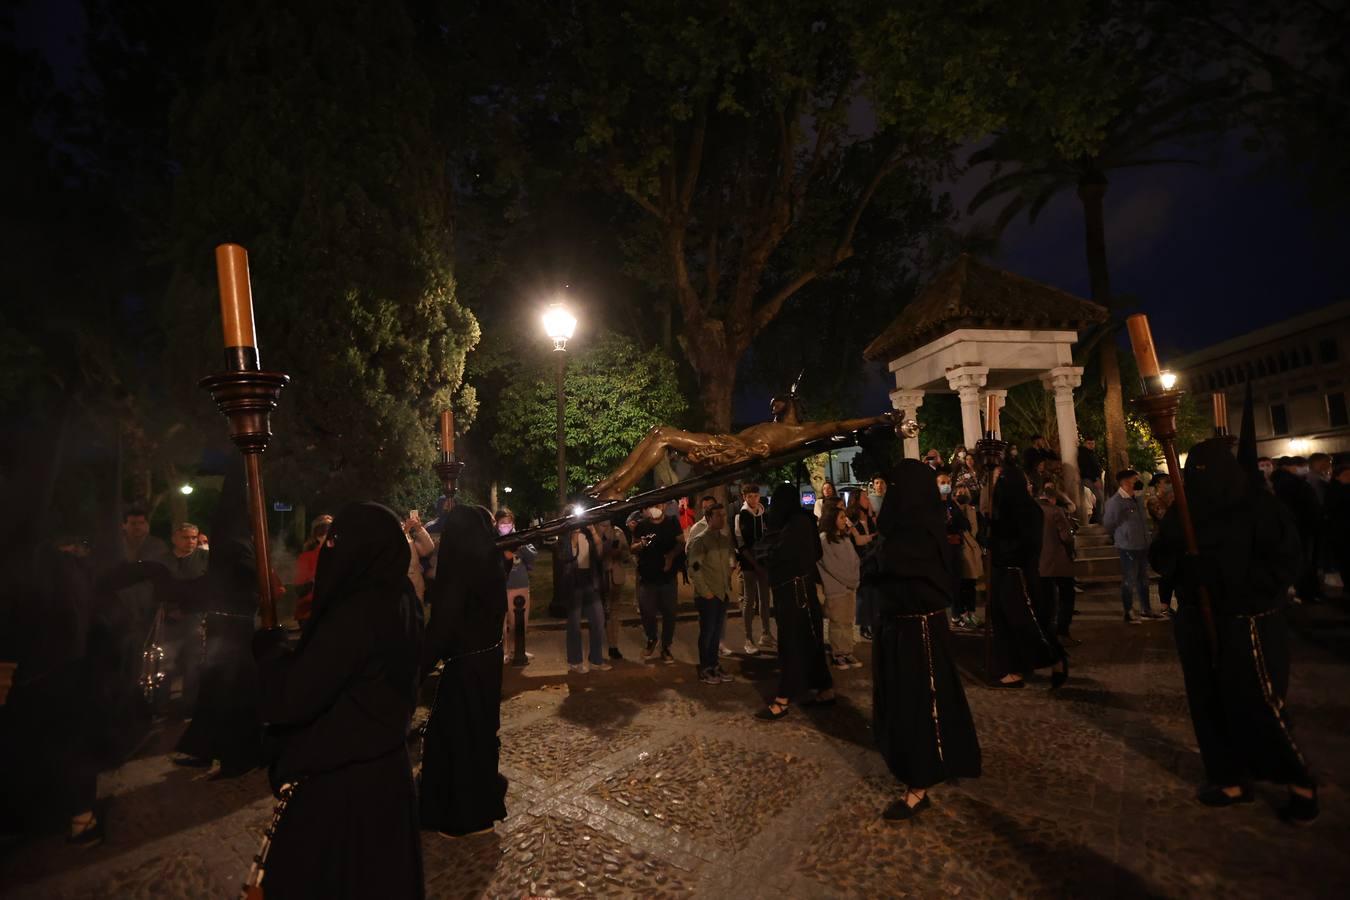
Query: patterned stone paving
<point x="716" y="790"/>
<point x="551" y="857"/>
<point x="641" y="782"/>
<point x="551" y="748"/>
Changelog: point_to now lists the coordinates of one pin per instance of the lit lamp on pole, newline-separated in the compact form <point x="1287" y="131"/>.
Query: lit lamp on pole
<point x="559" y="324"/>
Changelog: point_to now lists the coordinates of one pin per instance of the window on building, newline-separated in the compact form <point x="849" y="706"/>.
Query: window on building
<point x="1279" y="419"/>
<point x="1284" y="361"/>
<point x="1337" y="415"/>
<point x="1307" y="355"/>
<point x="1270" y="364"/>
<point x="1213" y="385"/>
<point x="1327" y="351"/>
<point x="1260" y="368"/>
<point x="1241" y="374"/>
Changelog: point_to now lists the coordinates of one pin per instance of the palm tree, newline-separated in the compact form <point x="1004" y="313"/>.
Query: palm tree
<point x="1029" y="171"/>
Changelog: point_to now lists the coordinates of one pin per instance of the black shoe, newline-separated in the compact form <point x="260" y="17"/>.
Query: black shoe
<point x="1301" y="810"/>
<point x="1215" y="796"/>
<point x="1057" y="678"/>
<point x="91" y="836"/>
<point x="899" y="811"/>
<point x="192" y="762"/>
<point x="666" y="656"/>
<point x="614" y="653"/>
<point x="865" y="633"/>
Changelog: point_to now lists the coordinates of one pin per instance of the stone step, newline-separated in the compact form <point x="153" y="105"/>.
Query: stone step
<point x="1103" y="567"/>
<point x="1091" y="540"/>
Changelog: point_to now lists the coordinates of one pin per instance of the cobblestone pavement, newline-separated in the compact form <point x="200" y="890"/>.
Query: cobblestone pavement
<point x="644" y="782"/>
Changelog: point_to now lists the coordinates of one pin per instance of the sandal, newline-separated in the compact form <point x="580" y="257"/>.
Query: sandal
<point x="768" y="714"/>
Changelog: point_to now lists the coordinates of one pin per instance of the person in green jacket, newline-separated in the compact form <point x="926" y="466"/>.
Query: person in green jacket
<point x="710" y="557"/>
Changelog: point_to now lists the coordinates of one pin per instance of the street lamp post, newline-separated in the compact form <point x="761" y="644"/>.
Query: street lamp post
<point x="559" y="324"/>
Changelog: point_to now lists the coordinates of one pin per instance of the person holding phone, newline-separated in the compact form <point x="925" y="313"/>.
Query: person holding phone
<point x="420" y="546"/>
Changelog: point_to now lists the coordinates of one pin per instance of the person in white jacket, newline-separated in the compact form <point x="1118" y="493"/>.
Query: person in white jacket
<point x="839" y="573"/>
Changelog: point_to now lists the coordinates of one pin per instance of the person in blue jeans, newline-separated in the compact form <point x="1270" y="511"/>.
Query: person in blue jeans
<point x="1126" y="521"/>
<point x="587" y="571"/>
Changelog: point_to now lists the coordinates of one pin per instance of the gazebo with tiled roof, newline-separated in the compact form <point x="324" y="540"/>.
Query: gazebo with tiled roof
<point x="976" y="331"/>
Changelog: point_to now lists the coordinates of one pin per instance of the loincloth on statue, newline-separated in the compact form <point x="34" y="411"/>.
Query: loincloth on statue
<point x="725" y="450"/>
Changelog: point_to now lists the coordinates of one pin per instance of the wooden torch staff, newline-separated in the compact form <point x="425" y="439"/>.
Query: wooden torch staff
<point x="246" y="395"/>
<point x="448" y="466"/>
<point x="1160" y="407"/>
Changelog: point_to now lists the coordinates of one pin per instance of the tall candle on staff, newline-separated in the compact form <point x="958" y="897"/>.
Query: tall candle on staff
<point x="1220" y="400"/>
<point x="991" y="416"/>
<point x="1145" y="354"/>
<point x="447" y="433"/>
<point x="236" y="308"/>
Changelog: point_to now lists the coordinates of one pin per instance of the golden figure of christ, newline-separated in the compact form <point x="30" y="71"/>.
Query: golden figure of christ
<point x="715" y="451"/>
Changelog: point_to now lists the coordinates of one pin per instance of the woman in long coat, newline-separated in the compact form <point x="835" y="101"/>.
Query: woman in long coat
<point x="920" y="716"/>
<point x="791" y="532"/>
<point x="338" y="709"/>
<point x="462" y="790"/>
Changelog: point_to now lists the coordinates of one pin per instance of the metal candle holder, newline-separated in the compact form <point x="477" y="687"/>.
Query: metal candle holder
<point x="247" y="398"/>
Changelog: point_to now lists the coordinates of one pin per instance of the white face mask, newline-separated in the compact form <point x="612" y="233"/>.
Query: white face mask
<point x="1302" y="471"/>
<point x="656" y="513"/>
<point x="944" y="489"/>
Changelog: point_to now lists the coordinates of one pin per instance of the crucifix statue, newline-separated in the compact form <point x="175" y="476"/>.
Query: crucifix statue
<point x="784" y="433"/>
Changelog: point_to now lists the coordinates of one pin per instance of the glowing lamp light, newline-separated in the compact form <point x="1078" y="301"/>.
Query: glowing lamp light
<point x="507" y="489"/>
<point x="1299" y="446"/>
<point x="578" y="510"/>
<point x="185" y="490"/>
<point x="1169" y="380"/>
<point x="559" y="325"/>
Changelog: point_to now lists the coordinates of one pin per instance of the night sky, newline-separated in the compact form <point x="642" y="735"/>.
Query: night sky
<point x="1210" y="252"/>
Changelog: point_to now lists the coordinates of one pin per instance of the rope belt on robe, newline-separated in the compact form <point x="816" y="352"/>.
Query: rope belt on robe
<point x="253" y="883"/>
<point x="800" y="593"/>
<point x="932" y="678"/>
<point x="1273" y="700"/>
<point x="1026" y="598"/>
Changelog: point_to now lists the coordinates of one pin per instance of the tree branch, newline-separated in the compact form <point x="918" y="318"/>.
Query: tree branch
<point x="694" y="160"/>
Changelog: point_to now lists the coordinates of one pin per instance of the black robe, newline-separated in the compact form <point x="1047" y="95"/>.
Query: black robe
<point x="338" y="709"/>
<point x="1022" y="637"/>
<point x="51" y="728"/>
<point x="1249" y="555"/>
<point x="795" y="547"/>
<point x="225" y="722"/>
<point x="920" y="717"/>
<point x="462" y="790"/>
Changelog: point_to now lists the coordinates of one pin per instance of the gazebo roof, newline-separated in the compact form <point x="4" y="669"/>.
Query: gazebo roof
<point x="972" y="294"/>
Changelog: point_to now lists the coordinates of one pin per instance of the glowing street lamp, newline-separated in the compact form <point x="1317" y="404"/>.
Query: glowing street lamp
<point x="1169" y="380"/>
<point x="185" y="490"/>
<point x="559" y="324"/>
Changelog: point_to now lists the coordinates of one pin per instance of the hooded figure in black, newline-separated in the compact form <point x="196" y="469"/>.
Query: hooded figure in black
<point x="920" y="716"/>
<point x="337" y="709"/>
<point x="462" y="790"/>
<point x="791" y="534"/>
<point x="1249" y="555"/>
<point x="51" y="735"/>
<point x="225" y="722"/>
<point x="1021" y="643"/>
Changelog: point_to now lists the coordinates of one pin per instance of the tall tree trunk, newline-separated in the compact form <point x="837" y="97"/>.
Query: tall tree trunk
<point x="716" y="389"/>
<point x="1092" y="192"/>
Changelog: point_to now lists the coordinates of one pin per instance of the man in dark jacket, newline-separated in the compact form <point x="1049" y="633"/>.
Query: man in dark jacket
<point x="755" y="594"/>
<point x="657" y="542"/>
<point x="1290" y="484"/>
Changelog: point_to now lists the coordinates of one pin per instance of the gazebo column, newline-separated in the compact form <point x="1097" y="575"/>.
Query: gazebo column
<point x="1000" y="397"/>
<point x="908" y="402"/>
<point x="967" y="381"/>
<point x="1061" y="381"/>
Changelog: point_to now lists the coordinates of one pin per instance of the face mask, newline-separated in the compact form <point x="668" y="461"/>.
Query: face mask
<point x="944" y="489"/>
<point x="1301" y="471"/>
<point x="505" y="528"/>
<point x="656" y="513"/>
